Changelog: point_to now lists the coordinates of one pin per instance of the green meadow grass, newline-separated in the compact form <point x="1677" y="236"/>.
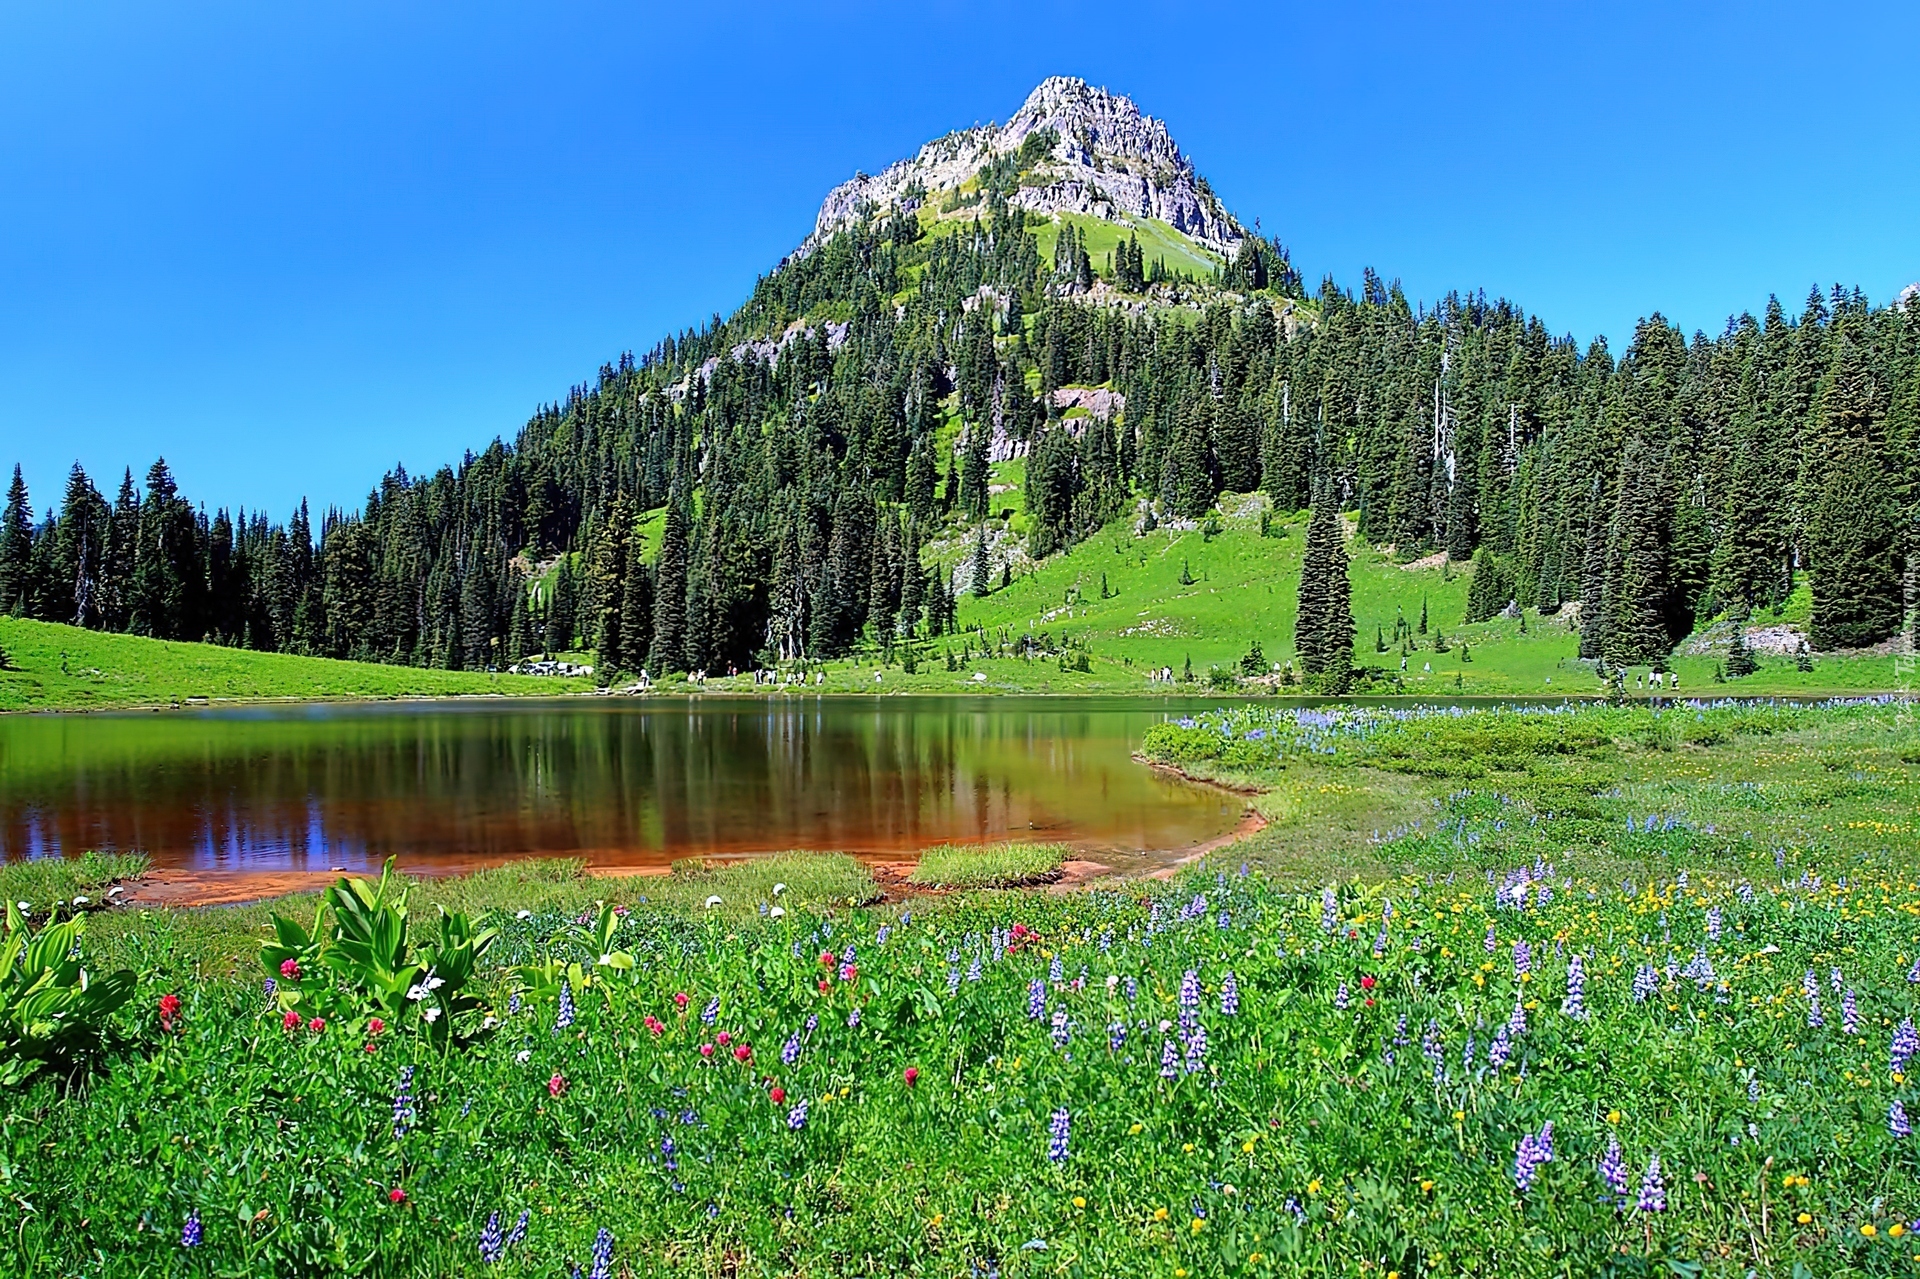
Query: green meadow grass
<point x="55" y="667"/>
<point x="987" y="865"/>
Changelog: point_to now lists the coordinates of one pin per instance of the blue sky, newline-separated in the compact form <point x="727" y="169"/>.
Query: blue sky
<point x="287" y="246"/>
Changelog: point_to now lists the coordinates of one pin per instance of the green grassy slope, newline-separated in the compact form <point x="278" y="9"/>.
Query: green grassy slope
<point x="1157" y="240"/>
<point x="1244" y="588"/>
<point x="54" y="667"/>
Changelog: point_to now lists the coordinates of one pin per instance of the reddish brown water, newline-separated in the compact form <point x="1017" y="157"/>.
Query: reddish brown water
<point x="619" y="782"/>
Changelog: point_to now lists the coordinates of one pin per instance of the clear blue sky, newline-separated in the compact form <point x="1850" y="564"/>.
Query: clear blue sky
<point x="290" y="245"/>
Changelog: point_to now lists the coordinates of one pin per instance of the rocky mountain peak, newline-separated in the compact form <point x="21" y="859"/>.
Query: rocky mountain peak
<point x="1096" y="154"/>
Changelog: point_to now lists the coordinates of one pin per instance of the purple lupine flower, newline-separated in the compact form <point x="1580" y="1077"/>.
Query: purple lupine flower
<point x="1400" y="1039"/>
<point x="1500" y="1049"/>
<point x="519" y="1230"/>
<point x="711" y="1013"/>
<point x="403" y="1112"/>
<point x="813" y="1022"/>
<point x="268" y="987"/>
<point x="564" y="1018"/>
<point x="1340" y="997"/>
<point x="191" y="1234"/>
<point x="1522" y="958"/>
<point x="1057" y="1131"/>
<point x="1430" y="1044"/>
<point x="1106" y="940"/>
<point x="1036" y="1000"/>
<point x="1133" y="990"/>
<point x="1056" y="971"/>
<point x="1062" y="1033"/>
<point x="513" y="1004"/>
<point x="1897" y="1121"/>
<point x="973" y="969"/>
<point x="1229" y="995"/>
<point x="853" y="1019"/>
<point x="1466" y="1056"/>
<point x="880" y="938"/>
<point x="1646" y="980"/>
<point x="1913" y="973"/>
<point x="1653" y="1190"/>
<point x="602" y="1254"/>
<point x="1814" y="1019"/>
<point x="1116" y="1035"/>
<point x="790" y="1051"/>
<point x="1834" y="978"/>
<point x="669" y="1155"/>
<point x="1169" y="1059"/>
<point x="1575" y="1004"/>
<point x="493" y="1242"/>
<point x="1906" y="1042"/>
<point x="1517" y="1024"/>
<point x="1849" y="1014"/>
<point x="1534" y="1150"/>
<point x="1613" y="1172"/>
<point x="1491" y="944"/>
<point x="1329" y="911"/>
<point x="1713" y="923"/>
<point x="1190" y="989"/>
<point x="797" y="1117"/>
<point x="1196" y="1049"/>
<point x="953" y="980"/>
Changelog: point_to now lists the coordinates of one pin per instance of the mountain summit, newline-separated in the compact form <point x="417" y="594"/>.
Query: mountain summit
<point x="1070" y="148"/>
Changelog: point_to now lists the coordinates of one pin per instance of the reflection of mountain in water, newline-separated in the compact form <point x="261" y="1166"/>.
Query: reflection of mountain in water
<point x="620" y="782"/>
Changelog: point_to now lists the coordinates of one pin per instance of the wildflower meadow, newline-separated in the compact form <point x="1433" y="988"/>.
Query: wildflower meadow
<point x="1572" y="1064"/>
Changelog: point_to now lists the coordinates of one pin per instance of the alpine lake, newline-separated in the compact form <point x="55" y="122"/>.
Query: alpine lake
<point x="454" y="785"/>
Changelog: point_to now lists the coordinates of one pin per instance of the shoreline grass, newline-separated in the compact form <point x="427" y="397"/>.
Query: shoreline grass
<point x="1007" y="865"/>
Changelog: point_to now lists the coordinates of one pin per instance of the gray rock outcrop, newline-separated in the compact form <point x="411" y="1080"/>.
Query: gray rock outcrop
<point x="1107" y="160"/>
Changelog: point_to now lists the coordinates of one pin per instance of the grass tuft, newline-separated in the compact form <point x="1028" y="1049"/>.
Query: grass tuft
<point x="1007" y="865"/>
<point x="47" y="880"/>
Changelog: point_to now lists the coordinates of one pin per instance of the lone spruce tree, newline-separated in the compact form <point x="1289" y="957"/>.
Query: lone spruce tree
<point x="666" y="652"/>
<point x="1323" y="634"/>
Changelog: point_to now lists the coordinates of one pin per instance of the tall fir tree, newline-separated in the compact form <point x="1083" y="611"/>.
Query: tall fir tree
<point x="1323" y="633"/>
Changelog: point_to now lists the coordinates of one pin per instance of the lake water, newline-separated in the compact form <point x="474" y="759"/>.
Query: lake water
<point x="621" y="782"/>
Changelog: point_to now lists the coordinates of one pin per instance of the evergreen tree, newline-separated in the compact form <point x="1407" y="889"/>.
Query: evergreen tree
<point x="1491" y="588"/>
<point x="668" y="649"/>
<point x="980" y="566"/>
<point x="973" y="473"/>
<point x="559" y="610"/>
<point x="1323" y="633"/>
<point x="1638" y="583"/>
<point x="1854" y="556"/>
<point x="636" y="610"/>
<point x="16" y="549"/>
<point x="1739" y="657"/>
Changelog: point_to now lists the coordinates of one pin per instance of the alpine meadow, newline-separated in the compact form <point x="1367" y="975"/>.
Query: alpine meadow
<point x="1042" y="744"/>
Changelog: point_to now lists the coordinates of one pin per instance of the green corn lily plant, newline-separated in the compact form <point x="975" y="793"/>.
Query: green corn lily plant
<point x="357" y="961"/>
<point x="53" y="1013"/>
<point x="541" y="980"/>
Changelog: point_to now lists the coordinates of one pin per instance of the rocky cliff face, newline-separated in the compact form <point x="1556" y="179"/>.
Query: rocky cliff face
<point x="1105" y="159"/>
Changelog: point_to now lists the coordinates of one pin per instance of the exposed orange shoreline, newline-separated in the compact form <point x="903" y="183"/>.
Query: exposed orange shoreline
<point x="186" y="887"/>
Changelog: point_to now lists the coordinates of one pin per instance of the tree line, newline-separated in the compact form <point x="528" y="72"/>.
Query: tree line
<point x="764" y="487"/>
